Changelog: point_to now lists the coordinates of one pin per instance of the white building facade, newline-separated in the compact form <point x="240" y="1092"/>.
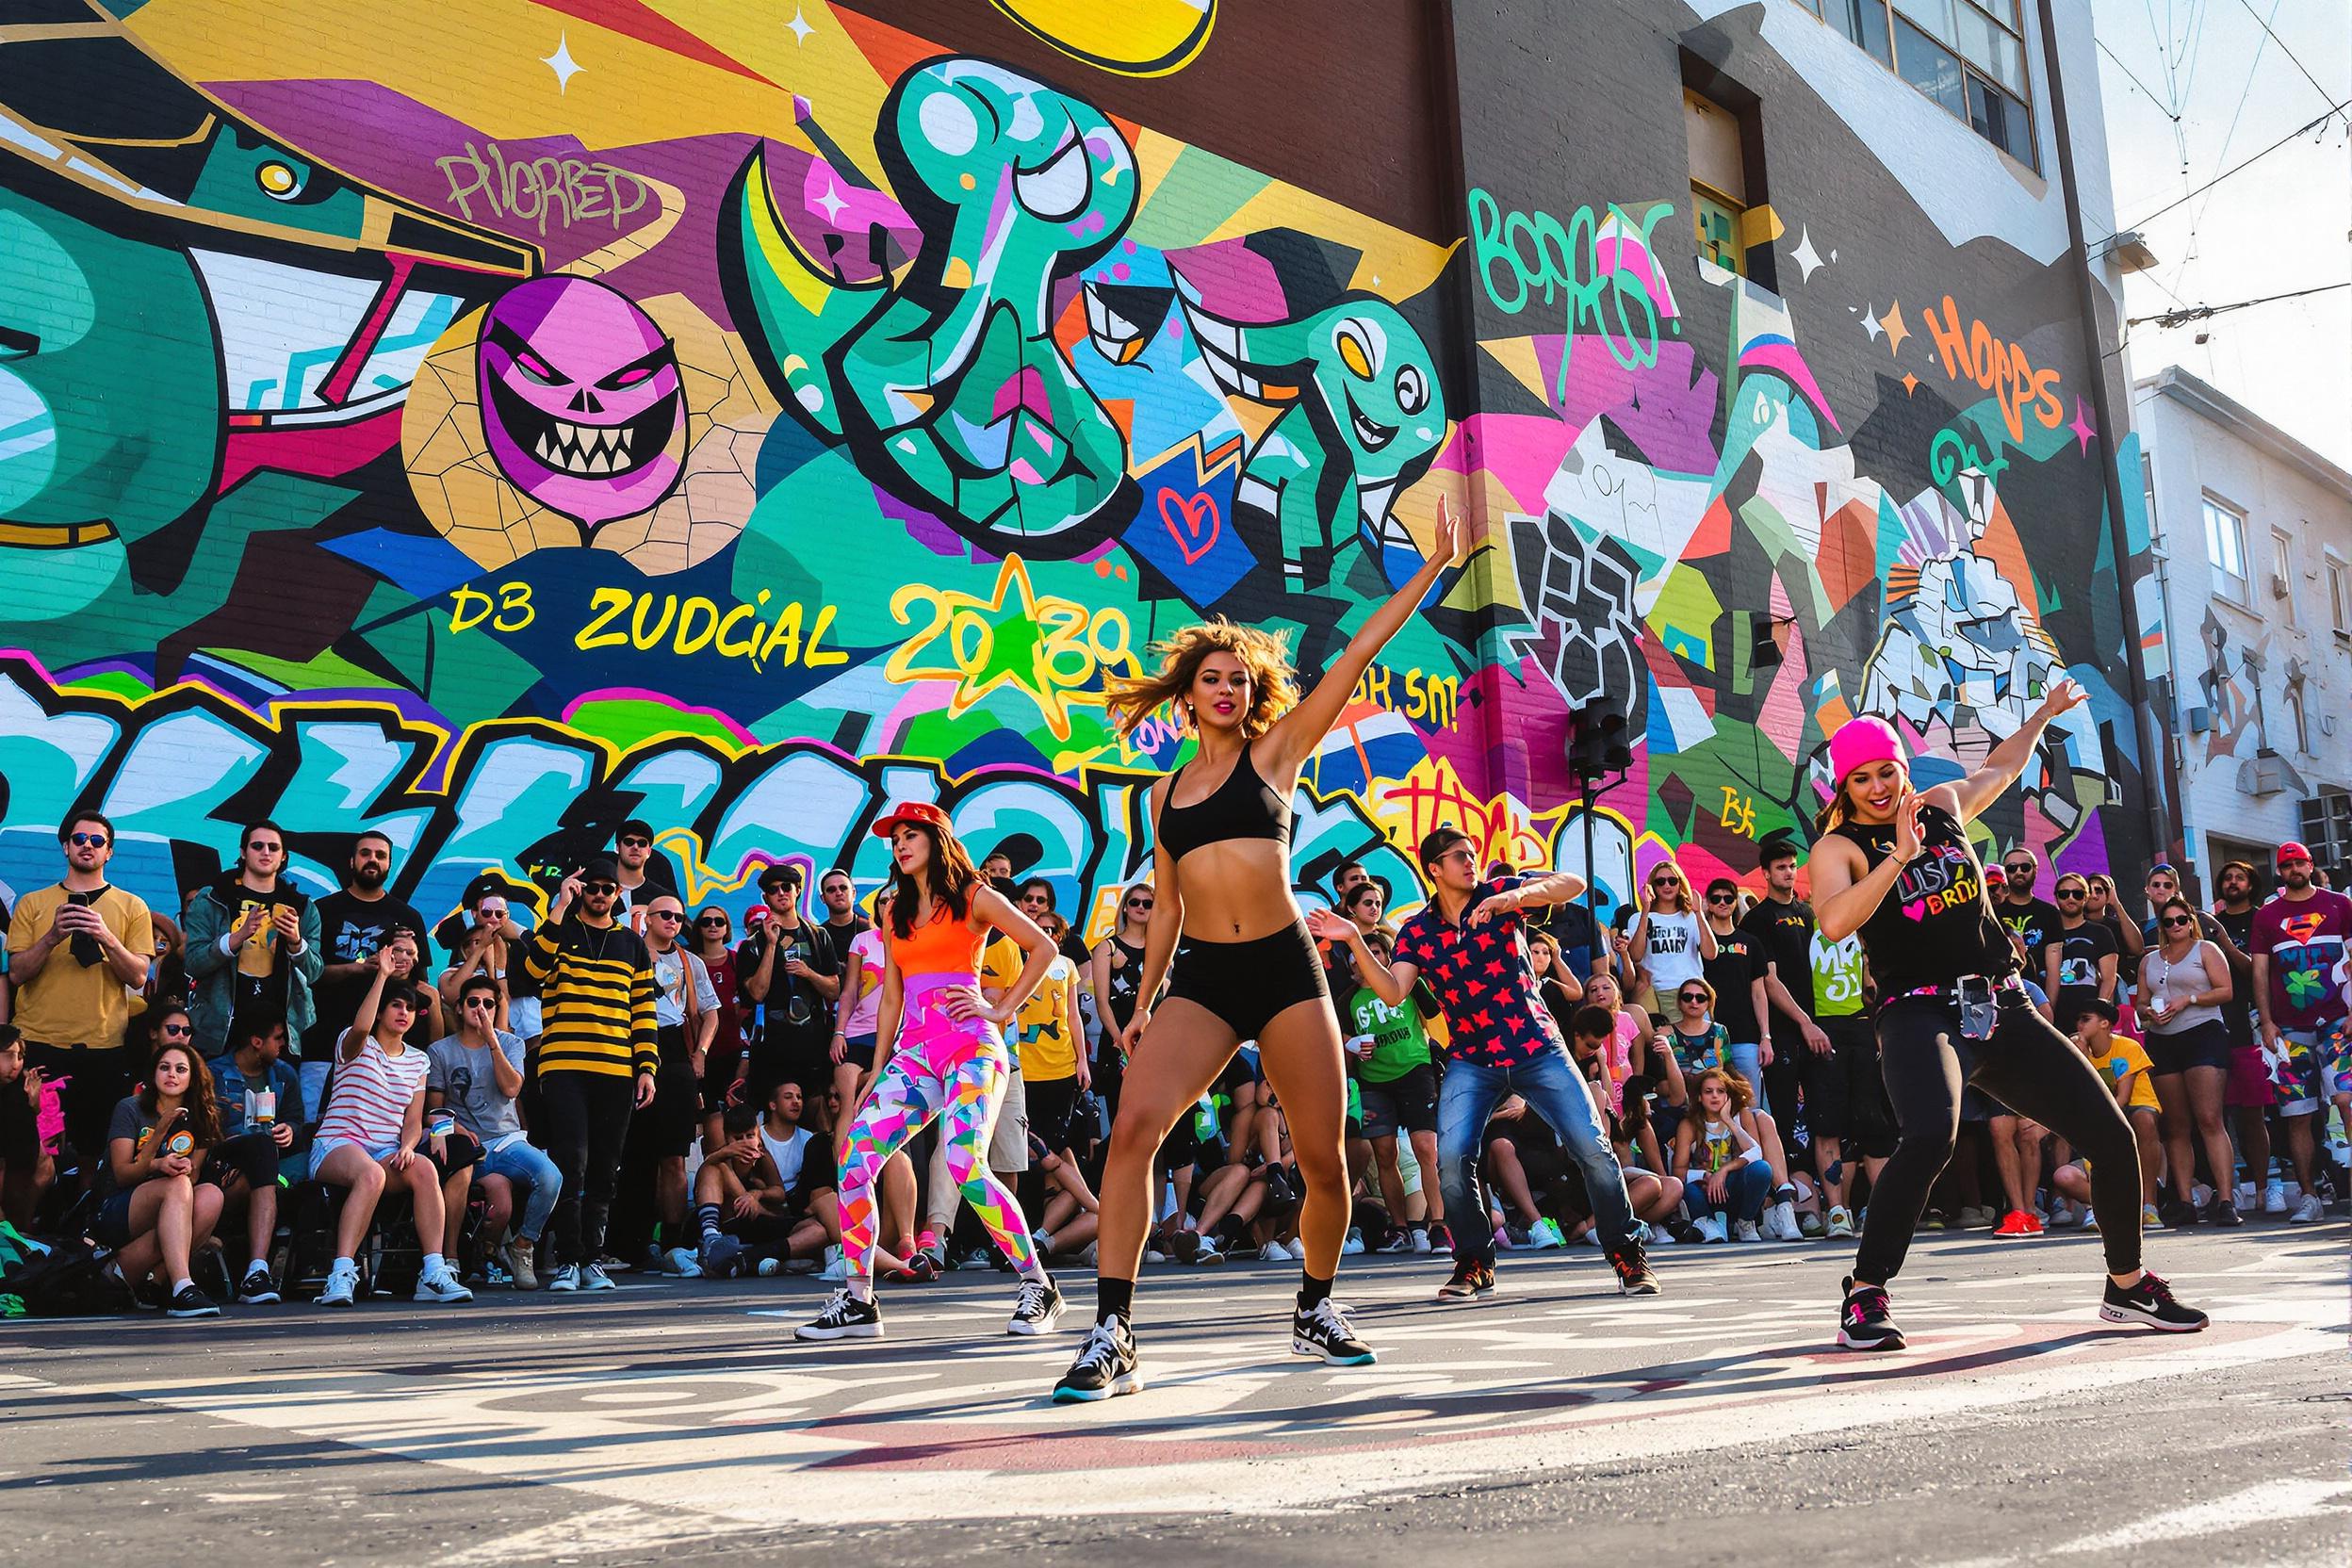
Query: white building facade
<point x="2253" y="540"/>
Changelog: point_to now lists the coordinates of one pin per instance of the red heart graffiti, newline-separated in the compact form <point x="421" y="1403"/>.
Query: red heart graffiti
<point x="1191" y="521"/>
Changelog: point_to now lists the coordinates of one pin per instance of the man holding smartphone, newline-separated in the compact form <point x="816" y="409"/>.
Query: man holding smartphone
<point x="252" y="943"/>
<point x="76" y="950"/>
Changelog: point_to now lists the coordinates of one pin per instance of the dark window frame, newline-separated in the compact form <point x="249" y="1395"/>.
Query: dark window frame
<point x="1875" y="28"/>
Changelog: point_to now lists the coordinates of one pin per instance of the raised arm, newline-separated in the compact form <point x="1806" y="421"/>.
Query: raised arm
<point x="1390" y="986"/>
<point x="1968" y="797"/>
<point x="1296" y="733"/>
<point x="1846" y="890"/>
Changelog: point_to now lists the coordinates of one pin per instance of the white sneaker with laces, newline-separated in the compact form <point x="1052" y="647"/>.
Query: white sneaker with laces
<point x="836" y="1264"/>
<point x="2307" y="1212"/>
<point x="2275" y="1196"/>
<point x="1746" y="1229"/>
<point x="342" y="1286"/>
<point x="1274" y="1251"/>
<point x="681" y="1262"/>
<point x="1420" y="1240"/>
<point x="1353" y="1245"/>
<point x="2249" y="1195"/>
<point x="1711" y="1229"/>
<point x="1544" y="1236"/>
<point x="1840" y="1225"/>
<point x="564" y="1280"/>
<point x="593" y="1276"/>
<point x="440" y="1285"/>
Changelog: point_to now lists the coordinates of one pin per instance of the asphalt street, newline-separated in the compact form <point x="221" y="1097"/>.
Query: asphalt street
<point x="677" y="1422"/>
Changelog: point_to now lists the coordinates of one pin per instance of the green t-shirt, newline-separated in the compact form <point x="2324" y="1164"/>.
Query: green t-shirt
<point x="1836" y="977"/>
<point x="1398" y="1044"/>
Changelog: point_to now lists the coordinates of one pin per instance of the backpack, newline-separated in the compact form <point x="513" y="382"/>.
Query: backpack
<point x="64" y="1281"/>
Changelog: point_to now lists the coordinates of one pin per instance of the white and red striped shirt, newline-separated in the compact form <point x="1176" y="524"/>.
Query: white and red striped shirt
<point x="371" y="1093"/>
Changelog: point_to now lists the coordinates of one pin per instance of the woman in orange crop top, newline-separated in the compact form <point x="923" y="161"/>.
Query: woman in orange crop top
<point x="1246" y="967"/>
<point x="940" y="1052"/>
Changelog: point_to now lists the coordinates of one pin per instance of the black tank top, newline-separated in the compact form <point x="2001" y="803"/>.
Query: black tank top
<point x="1937" y="924"/>
<point x="1244" y="807"/>
<point x="1126" y="975"/>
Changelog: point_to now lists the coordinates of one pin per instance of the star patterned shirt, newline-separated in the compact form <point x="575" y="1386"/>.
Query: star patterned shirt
<point x="1483" y="981"/>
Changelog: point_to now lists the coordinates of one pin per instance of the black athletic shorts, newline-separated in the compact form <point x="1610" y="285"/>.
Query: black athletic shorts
<point x="1248" y="984"/>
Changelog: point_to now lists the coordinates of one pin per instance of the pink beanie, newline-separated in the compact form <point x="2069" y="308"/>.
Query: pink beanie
<point x="1860" y="743"/>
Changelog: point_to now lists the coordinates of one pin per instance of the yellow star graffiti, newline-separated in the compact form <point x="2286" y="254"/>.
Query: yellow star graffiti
<point x="1048" y="649"/>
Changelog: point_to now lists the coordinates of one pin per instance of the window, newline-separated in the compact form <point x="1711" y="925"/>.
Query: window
<point x="2282" y="575"/>
<point x="1719" y="186"/>
<point x="2225" y="546"/>
<point x="1967" y="55"/>
<point x="2339" y="597"/>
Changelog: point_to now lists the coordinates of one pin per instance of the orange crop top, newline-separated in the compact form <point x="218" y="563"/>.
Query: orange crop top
<point x="941" y="946"/>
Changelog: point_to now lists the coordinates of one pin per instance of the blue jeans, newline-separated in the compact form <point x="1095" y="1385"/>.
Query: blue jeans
<point x="1556" y="1092"/>
<point x="524" y="1165"/>
<point x="1745" y="1191"/>
<point x="1747" y="1060"/>
<point x="314" y="1076"/>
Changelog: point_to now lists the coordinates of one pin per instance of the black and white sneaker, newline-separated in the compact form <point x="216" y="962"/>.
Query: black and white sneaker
<point x="1323" y="1332"/>
<point x="844" y="1318"/>
<point x="258" y="1289"/>
<point x="1038" y="1310"/>
<point x="1866" y="1321"/>
<point x="2150" y="1303"/>
<point x="1632" y="1267"/>
<point x="188" y="1301"/>
<point x="1105" y="1366"/>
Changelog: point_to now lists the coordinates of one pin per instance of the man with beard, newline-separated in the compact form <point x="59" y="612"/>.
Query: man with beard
<point x="2034" y="920"/>
<point x="641" y="874"/>
<point x="354" y="922"/>
<point x="2247" y="1096"/>
<point x="790" y="975"/>
<point x="598" y="1052"/>
<point x="2298" y="939"/>
<point x="253" y="945"/>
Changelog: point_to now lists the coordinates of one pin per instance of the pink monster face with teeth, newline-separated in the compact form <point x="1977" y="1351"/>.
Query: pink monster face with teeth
<point x="581" y="399"/>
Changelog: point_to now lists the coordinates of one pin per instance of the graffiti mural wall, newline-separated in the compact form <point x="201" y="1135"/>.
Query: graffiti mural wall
<point x="486" y="423"/>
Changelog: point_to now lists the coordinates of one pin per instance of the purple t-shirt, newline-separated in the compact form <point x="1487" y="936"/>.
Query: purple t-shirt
<point x="1483" y="980"/>
<point x="2305" y="940"/>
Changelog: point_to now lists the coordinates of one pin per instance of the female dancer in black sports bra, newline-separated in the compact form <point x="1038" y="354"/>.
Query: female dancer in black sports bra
<point x="1246" y="967"/>
<point x="1898" y="867"/>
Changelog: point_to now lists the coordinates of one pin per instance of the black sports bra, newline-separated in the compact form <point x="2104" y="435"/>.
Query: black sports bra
<point x="1244" y="807"/>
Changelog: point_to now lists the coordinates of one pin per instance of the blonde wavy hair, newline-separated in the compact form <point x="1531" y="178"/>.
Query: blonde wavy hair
<point x="1264" y="657"/>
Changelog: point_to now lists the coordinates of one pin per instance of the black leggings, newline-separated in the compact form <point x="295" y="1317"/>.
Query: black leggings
<point x="2028" y="1067"/>
<point x="585" y="1118"/>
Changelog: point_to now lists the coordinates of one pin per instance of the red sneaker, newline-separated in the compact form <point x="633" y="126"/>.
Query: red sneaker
<point x="2016" y="1223"/>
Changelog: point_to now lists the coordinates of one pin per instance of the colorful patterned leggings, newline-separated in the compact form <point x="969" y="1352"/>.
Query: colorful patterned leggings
<point x="956" y="1071"/>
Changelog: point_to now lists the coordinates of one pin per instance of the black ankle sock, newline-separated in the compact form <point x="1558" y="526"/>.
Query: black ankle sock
<point x="1114" y="1298"/>
<point x="1313" y="1292"/>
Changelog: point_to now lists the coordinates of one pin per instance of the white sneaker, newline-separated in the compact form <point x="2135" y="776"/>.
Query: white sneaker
<point x="2249" y="1195"/>
<point x="1711" y="1229"/>
<point x="1661" y="1236"/>
<point x="1746" y="1230"/>
<point x="1153" y="1254"/>
<point x="1782" y="1220"/>
<point x="1274" y="1251"/>
<point x="593" y="1276"/>
<point x="1420" y="1239"/>
<point x="2202" y="1195"/>
<point x="1353" y="1245"/>
<point x="342" y="1286"/>
<point x="1840" y="1225"/>
<point x="440" y="1285"/>
<point x="681" y="1262"/>
<point x="1544" y="1236"/>
<point x="2061" y="1213"/>
<point x="2306" y="1212"/>
<point x="2274" y="1197"/>
<point x="836" y="1264"/>
<point x="565" y="1278"/>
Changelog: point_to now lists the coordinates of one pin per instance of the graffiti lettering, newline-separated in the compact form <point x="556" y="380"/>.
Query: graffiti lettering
<point x="696" y="624"/>
<point x="1432" y="698"/>
<point x="1739" y="812"/>
<point x="1602" y="263"/>
<point x="1972" y="354"/>
<point x="1952" y="453"/>
<point x="568" y="191"/>
<point x="1053" y="649"/>
<point x="510" y="612"/>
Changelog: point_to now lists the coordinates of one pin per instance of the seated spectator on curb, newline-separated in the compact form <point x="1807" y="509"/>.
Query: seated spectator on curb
<point x="767" y="1195"/>
<point x="260" y="1098"/>
<point x="371" y="1131"/>
<point x="1726" y="1179"/>
<point x="2124" y="1063"/>
<point x="477" y="1075"/>
<point x="154" y="1213"/>
<point x="27" y="1168"/>
<point x="1066" y="1225"/>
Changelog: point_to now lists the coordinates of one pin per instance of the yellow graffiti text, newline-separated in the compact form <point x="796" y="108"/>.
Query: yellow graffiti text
<point x="511" y="611"/>
<point x="688" y="627"/>
<point x="1739" y="812"/>
<point x="1432" y="795"/>
<point x="1433" y="699"/>
<point x="1054" y="651"/>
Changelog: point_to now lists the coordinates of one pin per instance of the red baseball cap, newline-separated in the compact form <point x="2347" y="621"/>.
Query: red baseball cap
<point x="2293" y="851"/>
<point x="916" y="812"/>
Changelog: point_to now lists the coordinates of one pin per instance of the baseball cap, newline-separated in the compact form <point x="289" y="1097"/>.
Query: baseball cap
<point x="920" y="811"/>
<point x="602" y="869"/>
<point x="780" y="875"/>
<point x="2290" y="850"/>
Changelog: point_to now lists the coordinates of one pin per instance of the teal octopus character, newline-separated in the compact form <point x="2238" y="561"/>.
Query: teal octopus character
<point x="947" y="386"/>
<point x="1364" y="418"/>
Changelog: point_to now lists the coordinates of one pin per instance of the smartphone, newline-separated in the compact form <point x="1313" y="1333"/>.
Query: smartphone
<point x="1978" y="1014"/>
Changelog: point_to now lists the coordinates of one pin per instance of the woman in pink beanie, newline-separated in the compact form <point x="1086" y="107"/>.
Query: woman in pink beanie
<point x="1896" y="866"/>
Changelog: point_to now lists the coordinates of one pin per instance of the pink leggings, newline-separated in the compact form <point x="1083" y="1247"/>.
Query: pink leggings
<point x="946" y="1068"/>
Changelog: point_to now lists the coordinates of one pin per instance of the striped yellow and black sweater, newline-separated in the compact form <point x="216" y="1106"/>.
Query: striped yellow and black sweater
<point x="595" y="990"/>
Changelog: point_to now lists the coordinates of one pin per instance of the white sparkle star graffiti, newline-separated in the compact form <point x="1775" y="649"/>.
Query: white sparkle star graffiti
<point x="1804" y="255"/>
<point x="798" y="26"/>
<point x="561" y="63"/>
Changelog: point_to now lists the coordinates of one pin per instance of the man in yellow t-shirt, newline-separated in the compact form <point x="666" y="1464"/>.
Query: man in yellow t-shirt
<point x="76" y="950"/>
<point x="1053" y="1070"/>
<point x="2124" y="1063"/>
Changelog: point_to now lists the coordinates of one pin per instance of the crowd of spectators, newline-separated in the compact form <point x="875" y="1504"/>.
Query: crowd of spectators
<point x="329" y="1097"/>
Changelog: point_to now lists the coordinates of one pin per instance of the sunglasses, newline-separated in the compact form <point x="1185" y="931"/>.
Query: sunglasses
<point x="600" y="887"/>
<point x="1723" y="898"/>
<point x="1138" y="904"/>
<point x="487" y="1004"/>
<point x="1691" y="999"/>
<point x="177" y="1031"/>
<point x="634" y="843"/>
<point x="663" y="914"/>
<point x="1665" y="881"/>
<point x="93" y="841"/>
<point x="2072" y="892"/>
<point x="2019" y="871"/>
<point x="2176" y="922"/>
<point x="712" y="923"/>
<point x="263" y="847"/>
